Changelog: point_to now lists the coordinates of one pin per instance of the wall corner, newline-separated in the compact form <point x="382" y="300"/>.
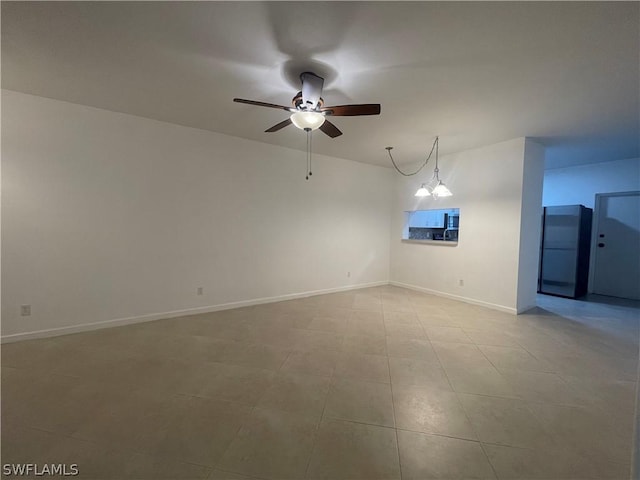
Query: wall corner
<point x="530" y="224"/>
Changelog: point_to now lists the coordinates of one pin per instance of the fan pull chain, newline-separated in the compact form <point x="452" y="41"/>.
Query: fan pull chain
<point x="309" y="166"/>
<point x="308" y="130"/>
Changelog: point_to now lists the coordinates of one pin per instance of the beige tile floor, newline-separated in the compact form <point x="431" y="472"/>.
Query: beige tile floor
<point x="379" y="383"/>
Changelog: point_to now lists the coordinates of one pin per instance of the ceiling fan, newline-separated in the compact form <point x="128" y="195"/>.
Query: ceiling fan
<point x="308" y="111"/>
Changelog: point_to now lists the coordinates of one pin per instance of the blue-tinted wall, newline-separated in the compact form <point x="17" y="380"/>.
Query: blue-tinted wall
<point x="579" y="184"/>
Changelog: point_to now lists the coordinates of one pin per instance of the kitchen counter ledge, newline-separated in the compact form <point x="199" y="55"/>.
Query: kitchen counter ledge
<point x="448" y="243"/>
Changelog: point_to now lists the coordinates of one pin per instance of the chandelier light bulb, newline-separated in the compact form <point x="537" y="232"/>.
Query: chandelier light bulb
<point x="423" y="191"/>
<point x="441" y="190"/>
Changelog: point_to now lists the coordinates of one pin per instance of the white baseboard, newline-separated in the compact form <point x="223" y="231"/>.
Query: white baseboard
<point x="85" y="327"/>
<point x="472" y="301"/>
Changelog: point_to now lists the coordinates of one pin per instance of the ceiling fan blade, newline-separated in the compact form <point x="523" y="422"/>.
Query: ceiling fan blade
<point x="330" y="129"/>
<point x="263" y="104"/>
<point x="311" y="89"/>
<point x="279" y="126"/>
<point x="352" y="110"/>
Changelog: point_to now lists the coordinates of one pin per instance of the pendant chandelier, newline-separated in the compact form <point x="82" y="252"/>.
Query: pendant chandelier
<point x="435" y="187"/>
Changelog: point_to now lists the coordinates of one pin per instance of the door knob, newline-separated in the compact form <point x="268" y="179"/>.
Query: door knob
<point x="601" y="245"/>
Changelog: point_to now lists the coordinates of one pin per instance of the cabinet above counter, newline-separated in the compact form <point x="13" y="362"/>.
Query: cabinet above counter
<point x="427" y="218"/>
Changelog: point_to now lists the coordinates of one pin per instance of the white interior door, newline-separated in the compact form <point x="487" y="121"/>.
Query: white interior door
<point x="616" y="267"/>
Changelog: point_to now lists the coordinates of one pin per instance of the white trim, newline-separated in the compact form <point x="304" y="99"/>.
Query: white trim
<point x="594" y="241"/>
<point x="472" y="301"/>
<point x="85" y="327"/>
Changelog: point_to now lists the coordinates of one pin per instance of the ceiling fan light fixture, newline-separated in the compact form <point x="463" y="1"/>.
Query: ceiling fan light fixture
<point x="423" y="191"/>
<point x="307" y="120"/>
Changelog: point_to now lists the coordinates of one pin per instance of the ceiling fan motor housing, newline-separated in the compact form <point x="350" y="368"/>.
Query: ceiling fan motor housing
<point x="311" y="89"/>
<point x="299" y="105"/>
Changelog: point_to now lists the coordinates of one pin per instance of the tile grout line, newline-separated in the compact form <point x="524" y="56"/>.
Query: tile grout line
<point x="393" y="405"/>
<point x="439" y="362"/>
<point x="493" y="469"/>
<point x="517" y="396"/>
<point x="475" y="431"/>
<point x="324" y="406"/>
<point x="242" y="424"/>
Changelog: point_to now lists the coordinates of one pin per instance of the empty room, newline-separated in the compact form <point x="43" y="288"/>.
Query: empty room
<point x="320" y="240"/>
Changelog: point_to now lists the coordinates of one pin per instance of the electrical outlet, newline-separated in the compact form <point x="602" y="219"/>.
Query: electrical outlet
<point x="348" y="274"/>
<point x="200" y="291"/>
<point x="461" y="283"/>
<point x="25" y="310"/>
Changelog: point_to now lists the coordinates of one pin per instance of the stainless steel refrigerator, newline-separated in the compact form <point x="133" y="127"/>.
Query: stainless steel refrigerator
<point x="564" y="251"/>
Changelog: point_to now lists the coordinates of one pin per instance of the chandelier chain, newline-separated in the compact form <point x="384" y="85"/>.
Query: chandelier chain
<point x="434" y="146"/>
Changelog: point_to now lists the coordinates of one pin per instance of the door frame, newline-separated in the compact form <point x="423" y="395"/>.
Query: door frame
<point x="594" y="231"/>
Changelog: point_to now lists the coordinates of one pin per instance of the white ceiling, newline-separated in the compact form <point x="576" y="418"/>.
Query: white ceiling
<point x="474" y="73"/>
